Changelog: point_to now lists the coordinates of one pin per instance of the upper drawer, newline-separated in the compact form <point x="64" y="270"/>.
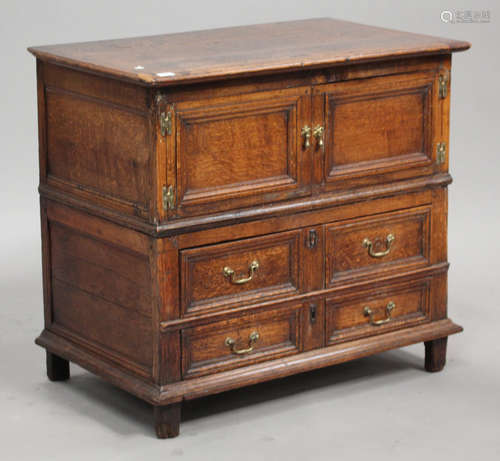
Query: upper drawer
<point x="378" y="129"/>
<point x="239" y="272"/>
<point x="240" y="151"/>
<point x="381" y="243"/>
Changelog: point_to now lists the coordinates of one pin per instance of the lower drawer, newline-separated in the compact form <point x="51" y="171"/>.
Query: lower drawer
<point x="377" y="310"/>
<point x="240" y="341"/>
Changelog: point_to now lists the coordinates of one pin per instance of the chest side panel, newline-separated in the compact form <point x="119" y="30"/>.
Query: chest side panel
<point x="99" y="284"/>
<point x="98" y="140"/>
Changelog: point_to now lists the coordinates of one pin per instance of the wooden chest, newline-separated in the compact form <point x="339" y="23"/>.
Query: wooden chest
<point x="226" y="207"/>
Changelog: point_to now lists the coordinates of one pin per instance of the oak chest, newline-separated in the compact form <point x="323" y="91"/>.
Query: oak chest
<point x="226" y="207"/>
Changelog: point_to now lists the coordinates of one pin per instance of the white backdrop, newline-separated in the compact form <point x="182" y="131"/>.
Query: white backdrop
<point x="383" y="407"/>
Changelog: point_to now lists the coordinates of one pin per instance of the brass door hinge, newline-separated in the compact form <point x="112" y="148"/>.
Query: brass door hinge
<point x="441" y="153"/>
<point x="443" y="85"/>
<point x="168" y="197"/>
<point x="166" y="123"/>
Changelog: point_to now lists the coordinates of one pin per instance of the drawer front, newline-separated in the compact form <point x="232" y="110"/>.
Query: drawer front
<point x="377" y="311"/>
<point x="240" y="341"/>
<point x="240" y="272"/>
<point x="383" y="243"/>
<point x="241" y="151"/>
<point x="378" y="129"/>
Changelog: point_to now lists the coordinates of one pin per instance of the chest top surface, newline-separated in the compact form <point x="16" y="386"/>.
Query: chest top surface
<point x="168" y="59"/>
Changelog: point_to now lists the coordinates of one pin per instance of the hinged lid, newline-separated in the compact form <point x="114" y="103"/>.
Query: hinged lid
<point x="241" y="51"/>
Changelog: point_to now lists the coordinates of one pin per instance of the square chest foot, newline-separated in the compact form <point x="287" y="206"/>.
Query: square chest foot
<point x="167" y="420"/>
<point x="57" y="368"/>
<point x="435" y="354"/>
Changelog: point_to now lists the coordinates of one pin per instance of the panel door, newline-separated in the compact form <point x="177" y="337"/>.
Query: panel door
<point x="376" y="129"/>
<point x="240" y="151"/>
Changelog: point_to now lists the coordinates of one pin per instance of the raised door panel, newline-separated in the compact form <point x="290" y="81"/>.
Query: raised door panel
<point x="378" y="129"/>
<point x="240" y="151"/>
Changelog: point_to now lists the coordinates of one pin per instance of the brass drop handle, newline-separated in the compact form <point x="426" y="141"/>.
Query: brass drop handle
<point x="318" y="134"/>
<point x="252" y="339"/>
<point x="306" y="134"/>
<point x="367" y="243"/>
<point x="228" y="272"/>
<point x="388" y="309"/>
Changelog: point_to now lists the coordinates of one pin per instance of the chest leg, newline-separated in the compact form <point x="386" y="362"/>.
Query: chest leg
<point x="435" y="354"/>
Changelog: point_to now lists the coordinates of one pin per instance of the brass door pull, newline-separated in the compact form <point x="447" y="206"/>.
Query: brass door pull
<point x="388" y="309"/>
<point x="306" y="133"/>
<point x="367" y="243"/>
<point x="318" y="134"/>
<point x="228" y="272"/>
<point x="252" y="339"/>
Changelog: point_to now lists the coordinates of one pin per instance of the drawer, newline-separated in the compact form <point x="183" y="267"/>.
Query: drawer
<point x="239" y="272"/>
<point x="378" y="129"/>
<point x="382" y="243"/>
<point x="240" y="151"/>
<point x="240" y="341"/>
<point x="377" y="310"/>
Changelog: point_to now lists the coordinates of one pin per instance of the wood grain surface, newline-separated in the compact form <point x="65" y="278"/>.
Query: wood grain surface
<point x="293" y="145"/>
<point x="245" y="50"/>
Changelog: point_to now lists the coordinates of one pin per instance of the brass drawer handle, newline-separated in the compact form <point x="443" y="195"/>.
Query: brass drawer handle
<point x="306" y="133"/>
<point x="228" y="272"/>
<point x="388" y="309"/>
<point x="318" y="134"/>
<point x="367" y="243"/>
<point x="252" y="339"/>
